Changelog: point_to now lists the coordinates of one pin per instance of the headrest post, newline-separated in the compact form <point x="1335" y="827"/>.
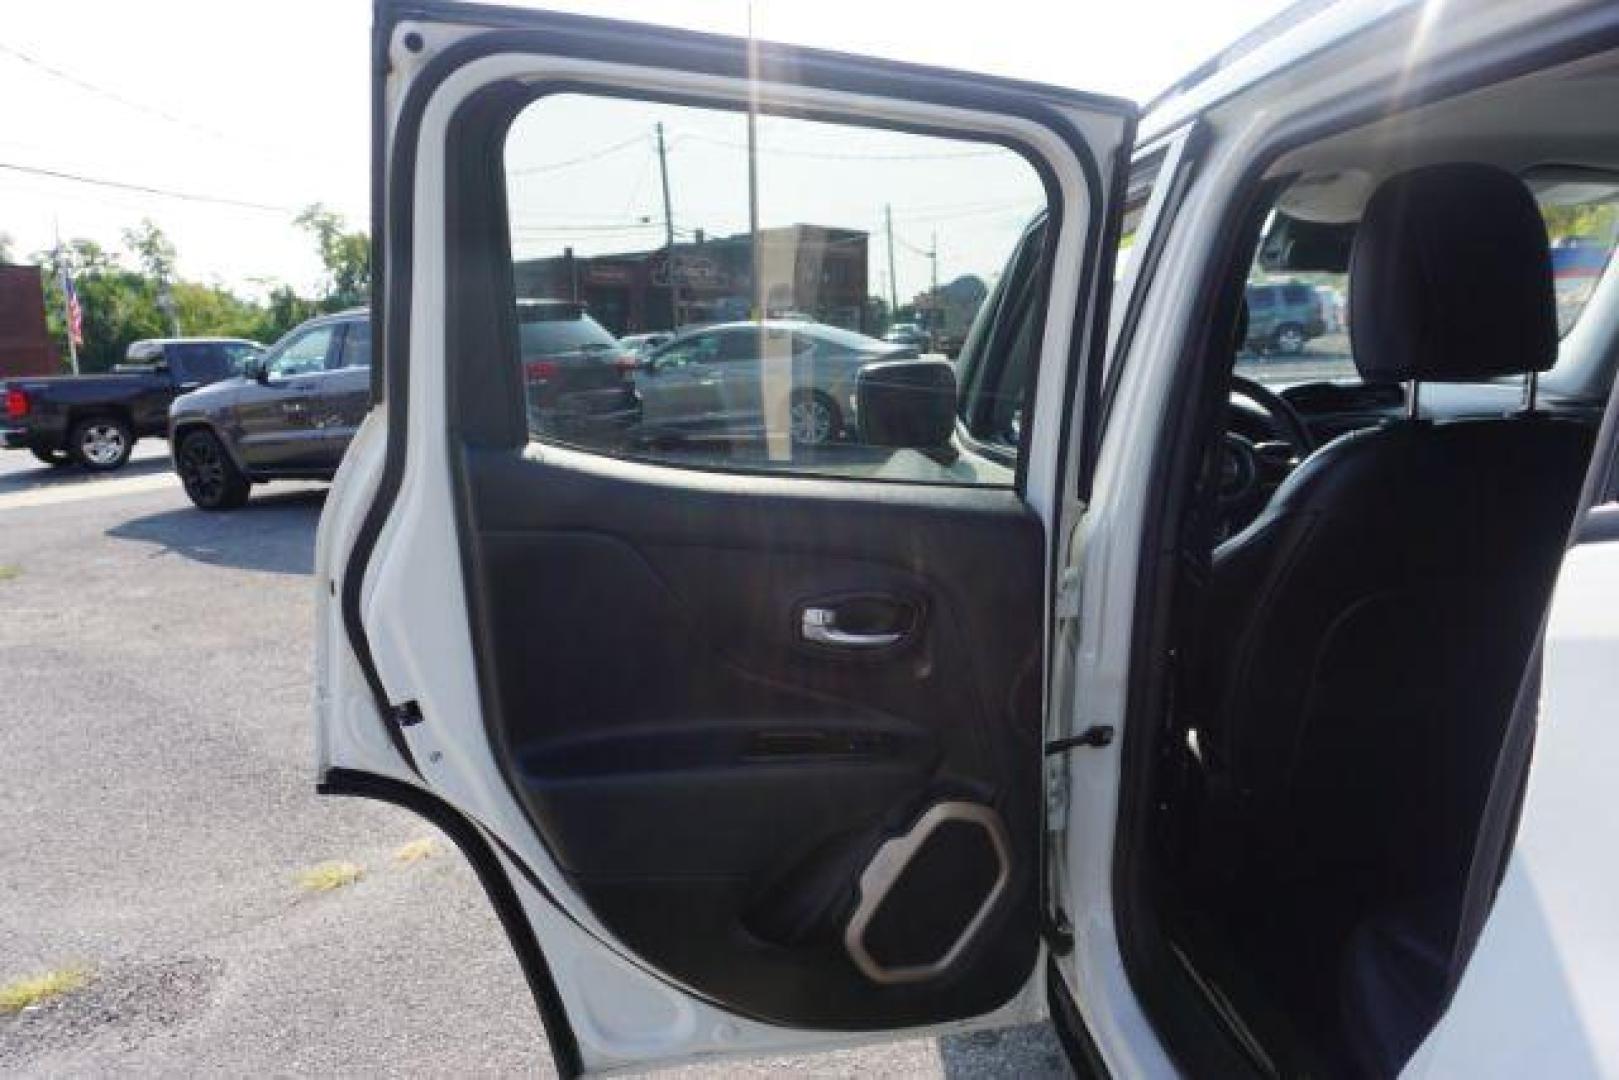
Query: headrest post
<point x="1531" y="387"/>
<point x="1413" y="400"/>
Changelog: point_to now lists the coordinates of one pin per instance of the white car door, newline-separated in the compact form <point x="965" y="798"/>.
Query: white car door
<point x="746" y="748"/>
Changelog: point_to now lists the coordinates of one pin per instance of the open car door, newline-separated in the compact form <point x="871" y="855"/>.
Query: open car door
<point x="740" y="725"/>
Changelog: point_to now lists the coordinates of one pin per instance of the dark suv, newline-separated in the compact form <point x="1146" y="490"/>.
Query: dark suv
<point x="1283" y="318"/>
<point x="577" y="377"/>
<point x="289" y="415"/>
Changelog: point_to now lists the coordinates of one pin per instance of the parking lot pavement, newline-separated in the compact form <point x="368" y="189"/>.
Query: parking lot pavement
<point x="155" y="765"/>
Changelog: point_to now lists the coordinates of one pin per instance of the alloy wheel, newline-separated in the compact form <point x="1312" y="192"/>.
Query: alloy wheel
<point x="202" y="469"/>
<point x="811" y="421"/>
<point x="103" y="444"/>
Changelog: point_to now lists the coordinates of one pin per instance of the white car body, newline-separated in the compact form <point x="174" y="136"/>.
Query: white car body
<point x="1542" y="989"/>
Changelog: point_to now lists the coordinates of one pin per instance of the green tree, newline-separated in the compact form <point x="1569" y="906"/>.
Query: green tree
<point x="285" y="310"/>
<point x="345" y="255"/>
<point x="1595" y="221"/>
<point x="152" y="249"/>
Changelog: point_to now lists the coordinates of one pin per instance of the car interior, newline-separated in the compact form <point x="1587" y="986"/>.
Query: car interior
<point x="1366" y="564"/>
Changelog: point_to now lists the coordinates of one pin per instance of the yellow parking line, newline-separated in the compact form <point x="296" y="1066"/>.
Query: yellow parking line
<point x="88" y="489"/>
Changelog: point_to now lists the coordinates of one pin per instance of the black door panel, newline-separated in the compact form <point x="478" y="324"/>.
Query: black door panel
<point x="715" y="784"/>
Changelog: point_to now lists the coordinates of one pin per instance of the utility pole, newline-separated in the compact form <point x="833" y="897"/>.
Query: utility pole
<point x="669" y="236"/>
<point x="893" y="282"/>
<point x="753" y="176"/>
<point x="933" y="287"/>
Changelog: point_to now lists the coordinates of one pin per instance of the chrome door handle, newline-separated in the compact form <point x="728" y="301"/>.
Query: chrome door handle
<point x="820" y="625"/>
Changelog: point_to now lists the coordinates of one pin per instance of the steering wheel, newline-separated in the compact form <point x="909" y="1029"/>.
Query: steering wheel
<point x="1250" y="471"/>
<point x="1283" y="416"/>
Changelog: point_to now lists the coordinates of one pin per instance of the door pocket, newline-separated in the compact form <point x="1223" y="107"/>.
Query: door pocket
<point x="927" y="893"/>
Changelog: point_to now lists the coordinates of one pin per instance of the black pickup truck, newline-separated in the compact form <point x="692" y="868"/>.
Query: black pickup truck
<point x="94" y="420"/>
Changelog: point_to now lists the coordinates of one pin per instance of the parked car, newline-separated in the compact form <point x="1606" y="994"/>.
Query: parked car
<point x="711" y="382"/>
<point x="576" y="374"/>
<point x="639" y="345"/>
<point x="1240" y="728"/>
<point x="1283" y="318"/>
<point x="911" y="334"/>
<point x="95" y="420"/>
<point x="289" y="414"/>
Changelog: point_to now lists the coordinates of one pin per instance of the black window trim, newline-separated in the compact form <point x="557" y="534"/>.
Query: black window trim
<point x="1182" y="149"/>
<point x="348" y="328"/>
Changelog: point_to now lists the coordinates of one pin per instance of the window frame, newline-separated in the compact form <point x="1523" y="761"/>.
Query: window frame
<point x="1084" y="348"/>
<point x="1182" y="149"/>
<point x="292" y="341"/>
<point x="341" y="361"/>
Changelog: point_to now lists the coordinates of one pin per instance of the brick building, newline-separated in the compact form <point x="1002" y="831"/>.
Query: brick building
<point x="25" y="346"/>
<point x="808" y="269"/>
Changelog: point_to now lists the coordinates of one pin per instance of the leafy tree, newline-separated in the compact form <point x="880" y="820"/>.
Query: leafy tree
<point x="152" y="249"/>
<point x="121" y="304"/>
<point x="1594" y="221"/>
<point x="345" y="255"/>
<point x="285" y="310"/>
<point x="5" y="249"/>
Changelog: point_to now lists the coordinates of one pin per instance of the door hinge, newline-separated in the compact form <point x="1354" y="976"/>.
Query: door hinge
<point x="406" y="714"/>
<point x="1096" y="735"/>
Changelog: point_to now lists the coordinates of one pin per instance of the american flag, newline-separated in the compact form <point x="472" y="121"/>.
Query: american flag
<point x="75" y="313"/>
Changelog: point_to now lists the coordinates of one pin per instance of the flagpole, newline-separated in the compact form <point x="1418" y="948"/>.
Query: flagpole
<point x="67" y="300"/>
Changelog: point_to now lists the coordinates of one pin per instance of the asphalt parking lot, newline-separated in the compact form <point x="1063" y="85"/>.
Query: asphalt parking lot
<point x="160" y="821"/>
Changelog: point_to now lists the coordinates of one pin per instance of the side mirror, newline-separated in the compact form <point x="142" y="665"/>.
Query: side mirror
<point x="257" y="370"/>
<point x="906" y="403"/>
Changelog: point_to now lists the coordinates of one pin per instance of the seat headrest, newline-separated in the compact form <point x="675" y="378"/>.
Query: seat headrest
<point x="1450" y="278"/>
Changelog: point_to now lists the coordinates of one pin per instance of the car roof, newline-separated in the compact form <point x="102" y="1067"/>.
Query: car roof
<point x="1311" y="35"/>
<point x="748" y="324"/>
<point x="205" y="340"/>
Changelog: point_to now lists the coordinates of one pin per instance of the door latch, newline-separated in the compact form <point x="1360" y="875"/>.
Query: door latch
<point x="1097" y="735"/>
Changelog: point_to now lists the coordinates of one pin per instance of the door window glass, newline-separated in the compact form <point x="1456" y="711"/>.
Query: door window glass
<point x="240" y="352"/>
<point x="791" y="296"/>
<point x="697" y="349"/>
<point x="357" y="345"/>
<point x="203" y="361"/>
<point x="305" y="354"/>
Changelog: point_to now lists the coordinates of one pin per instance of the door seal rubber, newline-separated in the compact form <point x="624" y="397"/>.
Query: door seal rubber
<point x="496" y="886"/>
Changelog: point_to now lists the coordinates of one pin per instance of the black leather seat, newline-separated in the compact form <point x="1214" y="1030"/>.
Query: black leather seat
<point x="1373" y="623"/>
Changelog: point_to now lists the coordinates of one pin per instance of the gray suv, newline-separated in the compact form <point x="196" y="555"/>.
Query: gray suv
<point x="1283" y="318"/>
<point x="289" y="415"/>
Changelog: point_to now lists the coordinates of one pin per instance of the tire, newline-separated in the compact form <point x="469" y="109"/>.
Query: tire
<point x="101" y="443"/>
<point x="52" y="458"/>
<point x="1289" y="339"/>
<point x="211" y="479"/>
<point x="815" y="419"/>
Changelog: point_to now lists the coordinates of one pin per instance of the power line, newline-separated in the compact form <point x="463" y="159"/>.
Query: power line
<point x="111" y="95"/>
<point x="552" y="166"/>
<point x="840" y="155"/>
<point x="184" y="196"/>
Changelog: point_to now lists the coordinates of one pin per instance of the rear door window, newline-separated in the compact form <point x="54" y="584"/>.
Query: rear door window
<point x="547" y="336"/>
<point x="202" y="361"/>
<point x="356" y="345"/>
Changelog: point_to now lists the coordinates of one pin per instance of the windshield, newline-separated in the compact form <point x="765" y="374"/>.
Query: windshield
<point x="1298" y="323"/>
<point x="565" y="335"/>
